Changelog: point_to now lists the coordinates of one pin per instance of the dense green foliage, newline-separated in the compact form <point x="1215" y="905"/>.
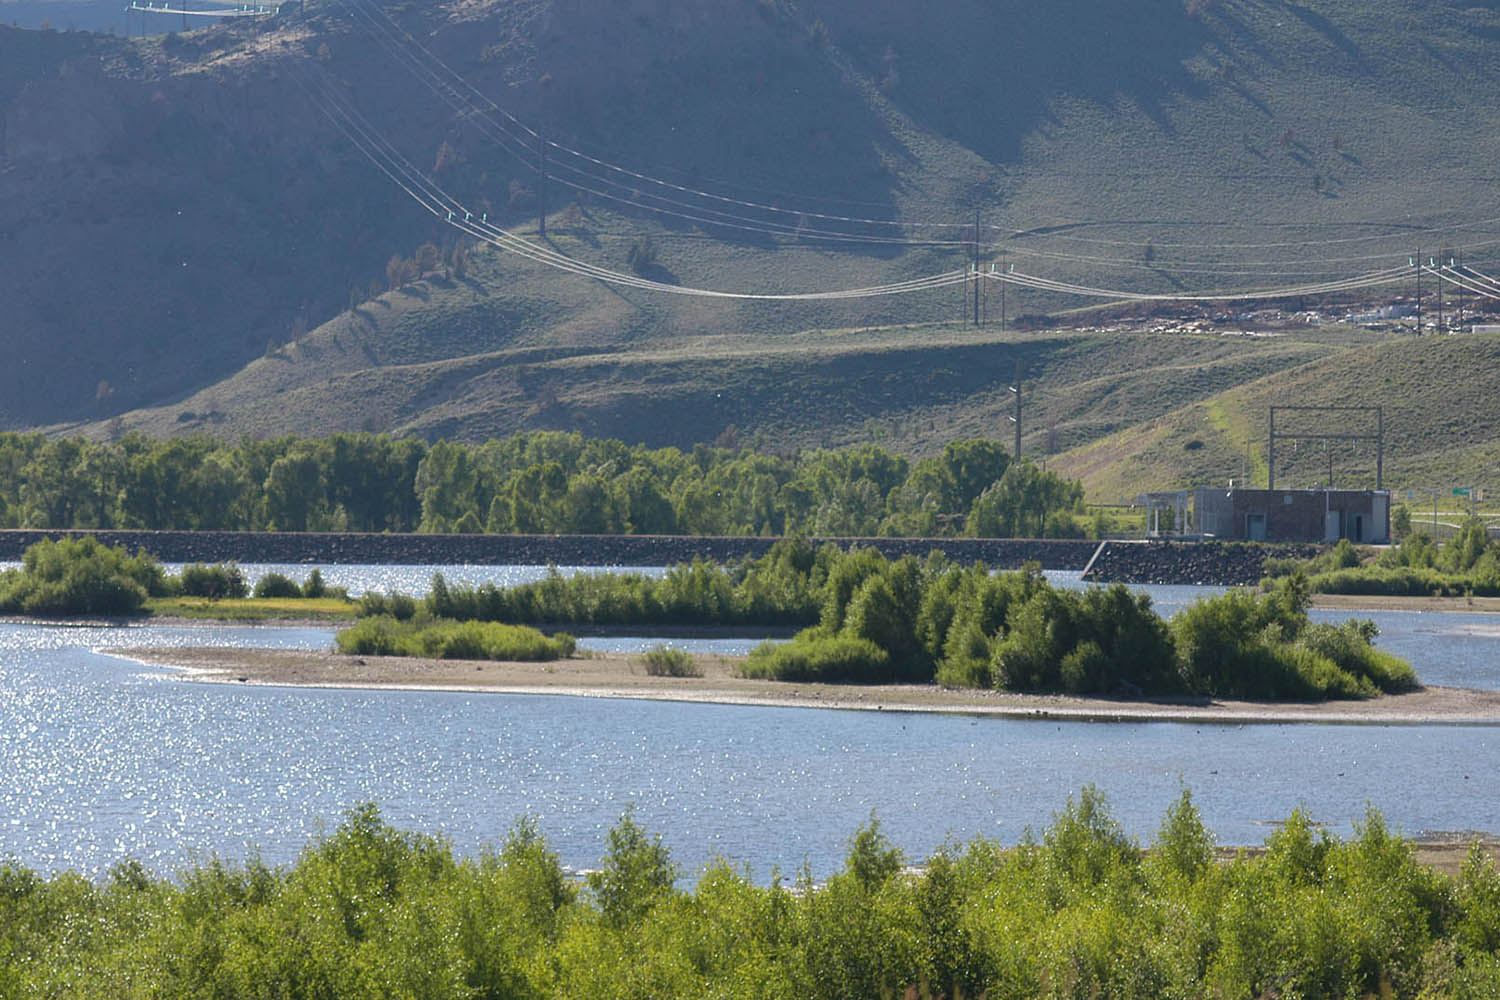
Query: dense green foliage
<point x="542" y="482"/>
<point x="1467" y="564"/>
<point x="449" y="640"/>
<point x="914" y="621"/>
<point x="281" y="585"/>
<point x="780" y="588"/>
<point x="213" y="582"/>
<point x="1244" y="645"/>
<point x="79" y="577"/>
<point x="1082" y="912"/>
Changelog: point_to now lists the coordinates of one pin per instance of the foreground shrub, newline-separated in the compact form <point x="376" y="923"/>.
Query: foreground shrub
<point x="1080" y="910"/>
<point x="447" y="640"/>
<point x="79" y="577"/>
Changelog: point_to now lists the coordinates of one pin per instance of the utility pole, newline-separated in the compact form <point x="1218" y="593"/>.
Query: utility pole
<point x="1439" y="271"/>
<point x="1002" y="291"/>
<point x="541" y="187"/>
<point x="1459" y="290"/>
<point x="1271" y="454"/>
<point x="1017" y="418"/>
<point x="1418" y="261"/>
<point x="1380" y="447"/>
<point x="976" y="267"/>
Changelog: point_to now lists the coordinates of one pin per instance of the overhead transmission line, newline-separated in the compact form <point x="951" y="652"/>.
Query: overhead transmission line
<point x="1357" y="282"/>
<point x="445" y="207"/>
<point x="479" y="110"/>
<point x="452" y="87"/>
<point x="1469" y="282"/>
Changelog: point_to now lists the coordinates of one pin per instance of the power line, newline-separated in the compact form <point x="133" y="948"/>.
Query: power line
<point x="444" y="206"/>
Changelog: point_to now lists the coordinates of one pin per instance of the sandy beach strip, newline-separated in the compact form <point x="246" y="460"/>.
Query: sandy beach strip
<point x="1354" y="603"/>
<point x="623" y="675"/>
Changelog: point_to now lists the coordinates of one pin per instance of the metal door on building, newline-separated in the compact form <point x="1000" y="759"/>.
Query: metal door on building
<point x="1255" y="527"/>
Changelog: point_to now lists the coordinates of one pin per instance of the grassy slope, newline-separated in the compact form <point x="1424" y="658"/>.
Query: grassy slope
<point x="1441" y="428"/>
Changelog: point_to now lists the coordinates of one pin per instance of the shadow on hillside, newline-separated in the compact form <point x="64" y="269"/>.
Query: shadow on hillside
<point x="985" y="74"/>
<point x="743" y="111"/>
<point x="1324" y="27"/>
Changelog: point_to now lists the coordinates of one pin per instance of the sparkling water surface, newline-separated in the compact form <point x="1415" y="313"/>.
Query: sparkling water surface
<point x="103" y="759"/>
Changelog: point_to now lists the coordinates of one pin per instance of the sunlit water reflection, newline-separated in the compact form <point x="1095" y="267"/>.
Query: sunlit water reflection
<point x="101" y="759"/>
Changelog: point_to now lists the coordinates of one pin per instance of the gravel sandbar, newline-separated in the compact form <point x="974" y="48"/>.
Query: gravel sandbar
<point x="623" y="675"/>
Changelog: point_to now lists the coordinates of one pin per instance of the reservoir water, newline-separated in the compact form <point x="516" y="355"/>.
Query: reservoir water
<point x="102" y="759"/>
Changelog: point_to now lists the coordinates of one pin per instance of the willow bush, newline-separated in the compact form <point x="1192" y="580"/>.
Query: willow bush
<point x="1080" y="911"/>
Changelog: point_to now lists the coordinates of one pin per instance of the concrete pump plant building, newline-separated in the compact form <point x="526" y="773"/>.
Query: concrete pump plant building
<point x="1318" y="515"/>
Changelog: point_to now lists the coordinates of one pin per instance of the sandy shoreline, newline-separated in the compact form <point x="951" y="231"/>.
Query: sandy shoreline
<point x="623" y="675"/>
<point x="1355" y="603"/>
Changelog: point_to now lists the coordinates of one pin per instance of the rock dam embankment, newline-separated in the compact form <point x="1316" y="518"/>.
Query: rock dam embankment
<point x="1223" y="563"/>
<point x="564" y="550"/>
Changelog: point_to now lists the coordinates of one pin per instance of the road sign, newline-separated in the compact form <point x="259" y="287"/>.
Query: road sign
<point x="1460" y="491"/>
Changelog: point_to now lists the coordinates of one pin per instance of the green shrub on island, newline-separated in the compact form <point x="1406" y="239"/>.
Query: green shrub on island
<point x="373" y="604"/>
<point x="780" y="588"/>
<point x="1466" y="565"/>
<point x="907" y="620"/>
<point x="217" y="582"/>
<point x="664" y="661"/>
<point x="449" y="640"/>
<point x="79" y="576"/>
<point x="277" y="585"/>
<point x="819" y="658"/>
<point x="1080" y="910"/>
<point x="281" y="586"/>
<point x="1262" y="646"/>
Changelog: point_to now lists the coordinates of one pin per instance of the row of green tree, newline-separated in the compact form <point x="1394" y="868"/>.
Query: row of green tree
<point x="1081" y="912"/>
<point x="537" y="482"/>
<point x="877" y="620"/>
<point x="1467" y="564"/>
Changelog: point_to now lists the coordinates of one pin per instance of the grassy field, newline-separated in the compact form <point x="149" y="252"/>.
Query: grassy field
<point x="254" y="609"/>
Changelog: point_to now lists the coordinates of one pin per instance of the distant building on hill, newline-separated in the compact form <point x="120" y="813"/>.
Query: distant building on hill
<point x="1320" y="515"/>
